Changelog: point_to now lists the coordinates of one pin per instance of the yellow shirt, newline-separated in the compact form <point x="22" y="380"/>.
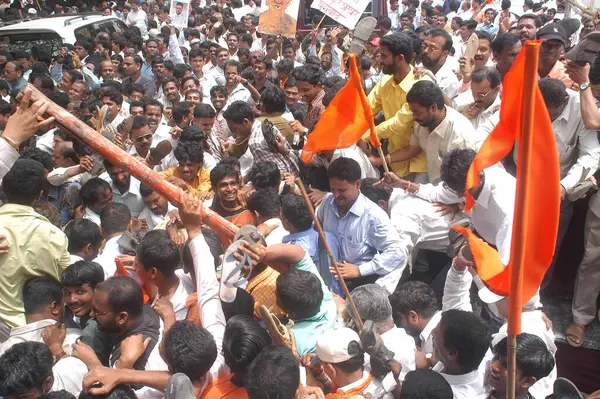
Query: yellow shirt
<point x="37" y="248"/>
<point x="390" y="97"/>
<point x="200" y="184"/>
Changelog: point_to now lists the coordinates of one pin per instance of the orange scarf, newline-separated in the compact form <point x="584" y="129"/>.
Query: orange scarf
<point x="340" y="394"/>
<point x="224" y="388"/>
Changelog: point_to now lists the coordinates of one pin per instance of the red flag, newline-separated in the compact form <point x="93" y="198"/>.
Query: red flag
<point x="344" y="121"/>
<point x="537" y="200"/>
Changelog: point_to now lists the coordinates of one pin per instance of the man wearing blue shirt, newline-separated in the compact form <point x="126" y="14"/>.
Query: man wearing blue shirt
<point x="369" y="245"/>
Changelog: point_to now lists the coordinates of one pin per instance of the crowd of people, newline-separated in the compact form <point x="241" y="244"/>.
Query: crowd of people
<point x="110" y="288"/>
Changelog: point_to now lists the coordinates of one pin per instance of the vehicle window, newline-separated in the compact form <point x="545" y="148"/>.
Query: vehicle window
<point x="13" y="42"/>
<point x="90" y="31"/>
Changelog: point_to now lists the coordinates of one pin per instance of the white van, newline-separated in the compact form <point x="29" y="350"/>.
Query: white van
<point x="51" y="32"/>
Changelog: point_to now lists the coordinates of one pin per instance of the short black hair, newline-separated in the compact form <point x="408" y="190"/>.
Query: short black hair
<point x="272" y="99"/>
<point x="425" y="384"/>
<point x="124" y="295"/>
<point x="82" y="232"/>
<point x="180" y="110"/>
<point x="265" y="203"/>
<point x="536" y="18"/>
<point x="553" y="91"/>
<point x="309" y="73"/>
<point x="114" y="96"/>
<point x="139" y="121"/>
<point x="274" y="374"/>
<point x="59" y="97"/>
<point x="238" y="111"/>
<point x="482" y="35"/>
<point x="120" y="391"/>
<point x="62" y="394"/>
<point x="595" y="71"/>
<point x="114" y="218"/>
<point x="82" y="272"/>
<point x="296" y="212"/>
<point x="189" y="349"/>
<point x="455" y="167"/>
<point x="36" y="154"/>
<point x="39" y="292"/>
<point x="300" y="292"/>
<point x="285" y="66"/>
<point x="466" y="334"/>
<point x="25" y="366"/>
<point x="189" y="151"/>
<point x="533" y="357"/>
<point x="24" y="182"/>
<point x="344" y="169"/>
<point x="416" y="296"/>
<point x="243" y="340"/>
<point x="375" y="193"/>
<point x="219" y="89"/>
<point x="221" y="171"/>
<point x="264" y="175"/>
<point x="92" y="189"/>
<point x="204" y="111"/>
<point x="426" y="93"/>
<point x="437" y="32"/>
<point x="5" y="107"/>
<point x="469" y="24"/>
<point x="490" y="74"/>
<point x="399" y="43"/>
<point x="235" y="64"/>
<point x="159" y="253"/>
<point x="192" y="133"/>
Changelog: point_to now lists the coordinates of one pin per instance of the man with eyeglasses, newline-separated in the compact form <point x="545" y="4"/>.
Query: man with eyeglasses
<point x="482" y="100"/>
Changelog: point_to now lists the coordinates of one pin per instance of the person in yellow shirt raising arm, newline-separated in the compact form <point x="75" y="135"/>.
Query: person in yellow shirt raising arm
<point x="389" y="96"/>
<point x="190" y="175"/>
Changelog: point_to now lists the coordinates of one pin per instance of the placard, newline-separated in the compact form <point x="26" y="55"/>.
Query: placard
<point x="279" y="17"/>
<point x="179" y="13"/>
<point x="345" y="12"/>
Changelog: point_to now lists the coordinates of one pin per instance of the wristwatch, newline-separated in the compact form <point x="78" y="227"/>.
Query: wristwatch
<point x="584" y="86"/>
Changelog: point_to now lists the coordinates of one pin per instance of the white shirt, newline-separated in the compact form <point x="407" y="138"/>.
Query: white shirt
<point x="46" y="141"/>
<point x="216" y="72"/>
<point x="353" y="152"/>
<point x="366" y="237"/>
<point x="374" y="389"/>
<point x="91" y="215"/>
<point x="178" y="301"/>
<point x="131" y="198"/>
<point x="492" y="214"/>
<point x="69" y="371"/>
<point x="578" y="148"/>
<point x="239" y="93"/>
<point x="403" y="346"/>
<point x="426" y="335"/>
<point x="454" y="131"/>
<point x="8" y="156"/>
<point x="107" y="258"/>
<point x="464" y="386"/>
<point x="138" y="18"/>
<point x="152" y="218"/>
<point x="446" y="79"/>
<point x="211" y="313"/>
<point x="207" y="82"/>
<point x="418" y="222"/>
<point x="276" y="236"/>
<point x="179" y="20"/>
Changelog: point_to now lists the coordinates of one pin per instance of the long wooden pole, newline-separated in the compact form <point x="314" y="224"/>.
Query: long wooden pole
<point x="117" y="156"/>
<point x="522" y="198"/>
<point x="319" y="229"/>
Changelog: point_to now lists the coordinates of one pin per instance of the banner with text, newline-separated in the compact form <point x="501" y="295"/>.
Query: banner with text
<point x="345" y="12"/>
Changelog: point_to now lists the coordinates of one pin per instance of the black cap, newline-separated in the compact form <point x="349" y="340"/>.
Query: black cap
<point x="553" y="31"/>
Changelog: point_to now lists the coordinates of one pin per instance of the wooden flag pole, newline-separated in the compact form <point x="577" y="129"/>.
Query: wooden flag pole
<point x="522" y="197"/>
<point x="117" y="156"/>
<point x="319" y="229"/>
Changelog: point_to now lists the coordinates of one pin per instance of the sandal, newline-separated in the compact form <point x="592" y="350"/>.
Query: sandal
<point x="575" y="335"/>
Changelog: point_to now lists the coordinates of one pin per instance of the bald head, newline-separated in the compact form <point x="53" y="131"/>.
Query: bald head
<point x="63" y="155"/>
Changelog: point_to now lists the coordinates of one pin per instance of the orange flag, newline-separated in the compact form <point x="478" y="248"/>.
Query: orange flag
<point x="523" y="118"/>
<point x="121" y="271"/>
<point x="344" y="121"/>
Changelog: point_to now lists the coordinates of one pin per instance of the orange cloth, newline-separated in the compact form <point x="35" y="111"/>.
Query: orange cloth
<point x="262" y="288"/>
<point x="353" y="392"/>
<point x="344" y="121"/>
<point x="537" y="203"/>
<point x="224" y="388"/>
<point x="121" y="271"/>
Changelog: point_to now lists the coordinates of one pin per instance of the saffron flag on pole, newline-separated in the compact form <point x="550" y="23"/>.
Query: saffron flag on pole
<point x="344" y="121"/>
<point x="537" y="199"/>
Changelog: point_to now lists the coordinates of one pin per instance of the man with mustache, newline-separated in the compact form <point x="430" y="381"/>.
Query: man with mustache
<point x="527" y="27"/>
<point x="435" y="57"/>
<point x="482" y="100"/>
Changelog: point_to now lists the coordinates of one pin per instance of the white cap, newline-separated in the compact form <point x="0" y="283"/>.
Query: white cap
<point x="332" y="345"/>
<point x="153" y="32"/>
<point x="32" y="11"/>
